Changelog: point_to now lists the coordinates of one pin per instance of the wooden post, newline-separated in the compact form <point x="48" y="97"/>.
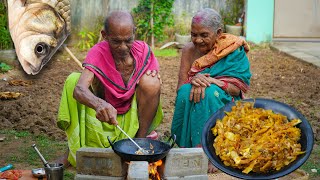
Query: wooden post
<point x="73" y="57"/>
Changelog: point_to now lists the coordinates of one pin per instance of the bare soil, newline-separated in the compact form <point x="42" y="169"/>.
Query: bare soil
<point x="275" y="75"/>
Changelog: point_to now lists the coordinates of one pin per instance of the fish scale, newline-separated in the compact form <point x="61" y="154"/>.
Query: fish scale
<point x="63" y="7"/>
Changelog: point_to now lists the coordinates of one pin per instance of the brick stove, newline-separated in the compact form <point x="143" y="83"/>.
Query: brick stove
<point x="180" y="163"/>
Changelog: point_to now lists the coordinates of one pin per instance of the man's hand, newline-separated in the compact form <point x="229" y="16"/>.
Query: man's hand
<point x="105" y="112"/>
<point x="196" y="93"/>
<point x="201" y="80"/>
<point x="154" y="73"/>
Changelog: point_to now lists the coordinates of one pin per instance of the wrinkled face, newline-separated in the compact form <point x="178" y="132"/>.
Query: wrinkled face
<point x="37" y="36"/>
<point x="120" y="38"/>
<point x="202" y="37"/>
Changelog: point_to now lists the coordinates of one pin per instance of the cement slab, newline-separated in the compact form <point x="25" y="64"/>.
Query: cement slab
<point x="305" y="51"/>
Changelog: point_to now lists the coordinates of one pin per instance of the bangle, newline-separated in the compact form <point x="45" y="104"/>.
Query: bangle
<point x="225" y="86"/>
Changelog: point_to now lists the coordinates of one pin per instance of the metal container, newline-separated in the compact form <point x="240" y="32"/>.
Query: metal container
<point x="54" y="172"/>
<point x="127" y="150"/>
<point x="39" y="173"/>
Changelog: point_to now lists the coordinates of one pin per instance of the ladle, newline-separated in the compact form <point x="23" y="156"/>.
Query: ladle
<point x="40" y="155"/>
<point x="140" y="148"/>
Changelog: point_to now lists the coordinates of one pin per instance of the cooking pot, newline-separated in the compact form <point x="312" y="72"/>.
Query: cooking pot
<point x="127" y="150"/>
<point x="306" y="139"/>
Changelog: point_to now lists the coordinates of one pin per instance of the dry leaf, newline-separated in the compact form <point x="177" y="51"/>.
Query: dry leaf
<point x="9" y="95"/>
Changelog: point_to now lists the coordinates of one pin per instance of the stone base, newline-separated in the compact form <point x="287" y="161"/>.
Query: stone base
<point x="103" y="163"/>
<point x="94" y="177"/>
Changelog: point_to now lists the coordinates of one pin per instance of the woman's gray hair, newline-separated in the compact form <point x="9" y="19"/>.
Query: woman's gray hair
<point x="208" y="17"/>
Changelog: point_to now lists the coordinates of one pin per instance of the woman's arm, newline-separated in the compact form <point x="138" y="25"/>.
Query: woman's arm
<point x="185" y="64"/>
<point x="227" y="87"/>
<point x="204" y="80"/>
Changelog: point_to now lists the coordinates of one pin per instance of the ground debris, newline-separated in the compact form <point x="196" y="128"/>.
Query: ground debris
<point x="20" y="83"/>
<point x="9" y="95"/>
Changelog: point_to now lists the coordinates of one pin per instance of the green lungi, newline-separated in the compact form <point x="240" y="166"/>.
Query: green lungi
<point x="82" y="127"/>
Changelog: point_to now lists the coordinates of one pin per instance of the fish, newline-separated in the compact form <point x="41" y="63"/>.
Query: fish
<point x="38" y="28"/>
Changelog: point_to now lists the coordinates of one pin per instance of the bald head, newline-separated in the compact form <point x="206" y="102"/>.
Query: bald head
<point x="118" y="18"/>
<point x="209" y="18"/>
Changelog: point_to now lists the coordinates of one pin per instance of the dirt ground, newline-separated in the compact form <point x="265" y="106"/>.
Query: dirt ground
<point x="275" y="76"/>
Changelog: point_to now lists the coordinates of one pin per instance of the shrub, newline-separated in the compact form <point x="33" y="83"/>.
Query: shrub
<point x="87" y="39"/>
<point x="232" y="12"/>
<point x="162" y="17"/>
<point x="183" y="24"/>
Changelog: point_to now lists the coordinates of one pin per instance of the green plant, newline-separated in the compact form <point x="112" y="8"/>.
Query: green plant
<point x="183" y="24"/>
<point x="232" y="12"/>
<point x="87" y="39"/>
<point x="4" y="67"/>
<point x="5" y="38"/>
<point x="159" y="12"/>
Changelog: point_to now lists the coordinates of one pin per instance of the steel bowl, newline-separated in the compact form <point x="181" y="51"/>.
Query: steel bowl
<point x="38" y="173"/>
<point x="306" y="139"/>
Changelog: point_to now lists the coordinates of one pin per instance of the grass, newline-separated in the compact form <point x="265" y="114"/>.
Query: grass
<point x="165" y="52"/>
<point x="257" y="47"/>
<point x="16" y="149"/>
<point x="313" y="163"/>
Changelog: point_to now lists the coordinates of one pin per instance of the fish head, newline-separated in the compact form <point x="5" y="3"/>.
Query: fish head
<point x="37" y="35"/>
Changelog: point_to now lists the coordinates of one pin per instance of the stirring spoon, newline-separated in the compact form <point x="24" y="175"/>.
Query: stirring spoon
<point x="140" y="148"/>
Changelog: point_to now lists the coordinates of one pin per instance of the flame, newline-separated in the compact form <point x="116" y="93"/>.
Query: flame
<point x="153" y="170"/>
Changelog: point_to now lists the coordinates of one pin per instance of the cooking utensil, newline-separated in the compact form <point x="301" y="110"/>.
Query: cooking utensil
<point x="126" y="150"/>
<point x="140" y="149"/>
<point x="54" y="172"/>
<point x="39" y="172"/>
<point x="45" y="163"/>
<point x="306" y="139"/>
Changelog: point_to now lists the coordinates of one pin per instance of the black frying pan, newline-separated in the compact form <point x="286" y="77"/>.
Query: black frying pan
<point x="306" y="139"/>
<point x="126" y="149"/>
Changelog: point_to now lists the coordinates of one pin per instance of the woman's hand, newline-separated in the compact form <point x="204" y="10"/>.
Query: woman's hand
<point x="197" y="93"/>
<point x="201" y="80"/>
<point x="105" y="112"/>
<point x="199" y="83"/>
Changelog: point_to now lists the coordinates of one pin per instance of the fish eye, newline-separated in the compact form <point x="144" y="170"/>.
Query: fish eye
<point x="41" y="49"/>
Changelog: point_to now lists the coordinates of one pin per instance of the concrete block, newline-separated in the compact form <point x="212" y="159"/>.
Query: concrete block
<point x="92" y="177"/>
<point x="138" y="170"/>
<point x="100" y="162"/>
<point x="8" y="56"/>
<point x="182" y="162"/>
<point x="197" y="177"/>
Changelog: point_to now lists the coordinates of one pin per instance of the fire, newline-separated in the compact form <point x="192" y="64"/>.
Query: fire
<point x="153" y="170"/>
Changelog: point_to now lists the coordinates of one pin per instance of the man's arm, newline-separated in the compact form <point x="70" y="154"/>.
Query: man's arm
<point x="105" y="112"/>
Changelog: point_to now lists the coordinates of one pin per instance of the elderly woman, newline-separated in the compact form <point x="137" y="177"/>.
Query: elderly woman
<point x="214" y="71"/>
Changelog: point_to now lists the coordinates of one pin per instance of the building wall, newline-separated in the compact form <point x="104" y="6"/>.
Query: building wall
<point x="259" y="22"/>
<point x="300" y="21"/>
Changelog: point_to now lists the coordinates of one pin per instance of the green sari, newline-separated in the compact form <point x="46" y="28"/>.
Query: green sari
<point x="82" y="127"/>
<point x="189" y="117"/>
